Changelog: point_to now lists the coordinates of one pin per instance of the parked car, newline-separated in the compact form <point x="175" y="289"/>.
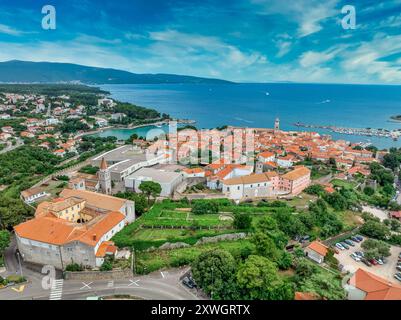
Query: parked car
<point x="346" y="246"/>
<point x="355" y="257"/>
<point x="359" y="237"/>
<point x="350" y="242"/>
<point x="188" y="283"/>
<point x="365" y="261"/>
<point x="355" y="239"/>
<point x="304" y="238"/>
<point x="340" y="246"/>
<point x="192" y="281"/>
<point x="398" y="276"/>
<point x="380" y="261"/>
<point x="374" y="262"/>
<point x="359" y="254"/>
<point x="398" y="268"/>
<point x="336" y="251"/>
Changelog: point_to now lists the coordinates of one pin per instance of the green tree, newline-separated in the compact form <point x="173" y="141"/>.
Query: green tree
<point x="369" y="191"/>
<point x="4" y="241"/>
<point x="375" y="229"/>
<point x="315" y="189"/>
<point x="214" y="271"/>
<point x="242" y="221"/>
<point x="376" y="248"/>
<point x="265" y="246"/>
<point x="150" y="189"/>
<point x="337" y="201"/>
<point x="324" y="286"/>
<point x="391" y="161"/>
<point x="139" y="199"/>
<point x="205" y="207"/>
<point x="258" y="279"/>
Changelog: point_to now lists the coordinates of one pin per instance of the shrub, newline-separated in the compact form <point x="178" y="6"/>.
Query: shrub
<point x="369" y="191"/>
<point x="16" y="279"/>
<point x="74" y="267"/>
<point x="242" y="221"/>
<point x="316" y="189"/>
<point x="205" y="208"/>
<point x="107" y="265"/>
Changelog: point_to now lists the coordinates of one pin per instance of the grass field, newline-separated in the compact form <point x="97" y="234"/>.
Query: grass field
<point x="344" y="184"/>
<point x="303" y="201"/>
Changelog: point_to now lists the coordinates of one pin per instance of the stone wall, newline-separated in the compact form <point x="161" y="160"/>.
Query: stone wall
<point x="223" y="237"/>
<point x="99" y="275"/>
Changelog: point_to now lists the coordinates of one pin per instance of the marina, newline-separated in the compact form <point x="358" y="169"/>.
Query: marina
<point x="369" y="132"/>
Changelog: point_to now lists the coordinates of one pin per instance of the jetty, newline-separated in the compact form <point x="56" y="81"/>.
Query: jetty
<point x="369" y="132"/>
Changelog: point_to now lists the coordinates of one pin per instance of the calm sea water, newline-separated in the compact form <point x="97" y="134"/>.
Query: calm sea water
<point x="257" y="105"/>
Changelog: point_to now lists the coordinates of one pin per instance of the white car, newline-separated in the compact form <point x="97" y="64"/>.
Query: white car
<point x="340" y="246"/>
<point x="380" y="261"/>
<point x="355" y="257"/>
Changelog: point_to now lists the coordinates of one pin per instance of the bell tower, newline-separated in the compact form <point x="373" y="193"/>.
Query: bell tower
<point x="104" y="177"/>
<point x="277" y="125"/>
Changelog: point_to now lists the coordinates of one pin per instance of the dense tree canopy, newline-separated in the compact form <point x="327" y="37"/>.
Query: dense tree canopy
<point x="258" y="279"/>
<point x="150" y="189"/>
<point x="214" y="271"/>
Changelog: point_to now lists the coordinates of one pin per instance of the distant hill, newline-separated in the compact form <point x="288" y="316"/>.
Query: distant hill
<point x="49" y="72"/>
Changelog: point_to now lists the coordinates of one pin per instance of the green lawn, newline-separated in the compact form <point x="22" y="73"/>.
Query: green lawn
<point x="344" y="184"/>
<point x="165" y="223"/>
<point x="302" y="200"/>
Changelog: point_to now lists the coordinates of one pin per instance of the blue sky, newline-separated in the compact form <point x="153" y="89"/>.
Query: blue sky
<point x="240" y="40"/>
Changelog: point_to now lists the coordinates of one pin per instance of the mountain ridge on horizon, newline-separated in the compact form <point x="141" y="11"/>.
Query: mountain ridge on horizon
<point x="17" y="71"/>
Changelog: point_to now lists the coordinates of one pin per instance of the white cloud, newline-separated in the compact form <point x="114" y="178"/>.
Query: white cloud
<point x="308" y="14"/>
<point x="368" y="59"/>
<point x="9" y="30"/>
<point x="312" y="58"/>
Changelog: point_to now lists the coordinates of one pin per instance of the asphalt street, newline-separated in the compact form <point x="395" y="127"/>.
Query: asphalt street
<point x="165" y="285"/>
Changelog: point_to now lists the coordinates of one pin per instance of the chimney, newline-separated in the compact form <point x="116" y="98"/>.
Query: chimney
<point x="94" y="236"/>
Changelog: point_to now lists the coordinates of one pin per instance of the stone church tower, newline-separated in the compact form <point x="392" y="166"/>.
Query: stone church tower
<point x="104" y="177"/>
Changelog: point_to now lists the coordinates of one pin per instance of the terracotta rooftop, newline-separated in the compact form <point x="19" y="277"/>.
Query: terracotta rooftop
<point x="318" y="247"/>
<point x="297" y="173"/>
<point x="95" y="199"/>
<point x="376" y="288"/>
<point x="58" y="231"/>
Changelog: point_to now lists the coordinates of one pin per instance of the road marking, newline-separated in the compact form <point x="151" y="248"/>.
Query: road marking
<point x="134" y="282"/>
<point x="20" y="289"/>
<point x="110" y="284"/>
<point x="86" y="285"/>
<point x="164" y="274"/>
<point x="56" y="290"/>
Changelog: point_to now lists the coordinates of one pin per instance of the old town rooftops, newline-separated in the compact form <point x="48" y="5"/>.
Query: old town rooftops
<point x="56" y="231"/>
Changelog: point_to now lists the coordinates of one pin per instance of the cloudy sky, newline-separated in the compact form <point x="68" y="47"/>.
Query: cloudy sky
<point x="240" y="40"/>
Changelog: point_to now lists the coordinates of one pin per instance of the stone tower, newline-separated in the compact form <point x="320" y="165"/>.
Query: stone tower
<point x="277" y="125"/>
<point x="104" y="177"/>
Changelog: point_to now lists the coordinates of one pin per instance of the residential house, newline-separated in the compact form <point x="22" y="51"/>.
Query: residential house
<point x="33" y="194"/>
<point x="286" y="161"/>
<point x="316" y="251"/>
<point x="364" y="285"/>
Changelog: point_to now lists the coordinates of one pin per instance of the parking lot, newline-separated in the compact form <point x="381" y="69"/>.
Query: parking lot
<point x="385" y="271"/>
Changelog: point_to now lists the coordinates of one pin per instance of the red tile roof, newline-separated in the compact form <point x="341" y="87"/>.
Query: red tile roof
<point x="318" y="247"/>
<point x="376" y="288"/>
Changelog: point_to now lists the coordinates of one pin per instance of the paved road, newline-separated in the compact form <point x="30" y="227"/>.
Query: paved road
<point x="12" y="147"/>
<point x="164" y="285"/>
<point x="151" y="287"/>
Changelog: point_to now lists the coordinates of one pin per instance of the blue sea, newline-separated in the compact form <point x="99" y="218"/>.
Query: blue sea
<point x="257" y="105"/>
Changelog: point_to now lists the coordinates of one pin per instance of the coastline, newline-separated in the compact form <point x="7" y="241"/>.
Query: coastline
<point x="131" y="127"/>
